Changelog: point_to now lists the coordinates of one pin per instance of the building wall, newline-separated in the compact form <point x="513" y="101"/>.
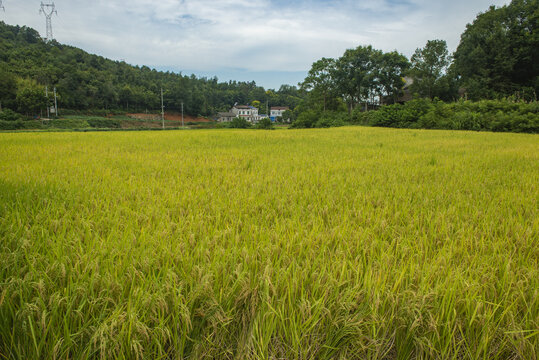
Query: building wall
<point x="277" y="113"/>
<point x="250" y="114"/>
<point x="274" y="114"/>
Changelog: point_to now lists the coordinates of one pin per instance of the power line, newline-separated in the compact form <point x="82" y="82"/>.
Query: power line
<point x="48" y="10"/>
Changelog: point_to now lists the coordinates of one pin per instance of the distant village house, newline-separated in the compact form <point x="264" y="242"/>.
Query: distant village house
<point x="249" y="113"/>
<point x="277" y="111"/>
<point x="225" y="116"/>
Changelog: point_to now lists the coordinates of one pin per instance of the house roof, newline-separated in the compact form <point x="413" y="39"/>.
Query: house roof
<point x="279" y="108"/>
<point x="226" y="114"/>
<point x="242" y="107"/>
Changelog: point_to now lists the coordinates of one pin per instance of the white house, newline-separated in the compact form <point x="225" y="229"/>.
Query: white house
<point x="277" y="111"/>
<point x="249" y="113"/>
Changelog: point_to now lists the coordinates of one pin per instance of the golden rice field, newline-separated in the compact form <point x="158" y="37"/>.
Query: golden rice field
<point x="345" y="243"/>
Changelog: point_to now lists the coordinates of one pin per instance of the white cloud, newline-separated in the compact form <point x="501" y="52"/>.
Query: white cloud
<point x="254" y="35"/>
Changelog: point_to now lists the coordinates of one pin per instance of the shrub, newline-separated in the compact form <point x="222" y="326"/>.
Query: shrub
<point x="67" y="124"/>
<point x="32" y="124"/>
<point x="104" y="123"/>
<point x="332" y="119"/>
<point x="491" y="115"/>
<point x="466" y="120"/>
<point x="11" y="125"/>
<point x="9" y="115"/>
<point x="20" y="125"/>
<point x="239" y="123"/>
<point x="265" y="124"/>
<point x="306" y="119"/>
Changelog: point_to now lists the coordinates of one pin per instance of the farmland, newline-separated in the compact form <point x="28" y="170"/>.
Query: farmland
<point x="352" y="243"/>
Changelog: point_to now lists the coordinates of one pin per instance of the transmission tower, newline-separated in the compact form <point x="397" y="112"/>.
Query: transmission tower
<point x="2" y="6"/>
<point x="48" y="10"/>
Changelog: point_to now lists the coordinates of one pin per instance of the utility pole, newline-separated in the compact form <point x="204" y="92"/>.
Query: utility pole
<point x="162" y="109"/>
<point x="47" y="96"/>
<point x="48" y="10"/>
<point x="182" y="113"/>
<point x="55" y="104"/>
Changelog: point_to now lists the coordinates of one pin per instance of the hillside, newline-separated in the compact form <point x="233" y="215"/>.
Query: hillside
<point x="88" y="82"/>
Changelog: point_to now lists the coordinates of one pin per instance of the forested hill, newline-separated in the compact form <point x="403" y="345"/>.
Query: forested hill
<point x="86" y="82"/>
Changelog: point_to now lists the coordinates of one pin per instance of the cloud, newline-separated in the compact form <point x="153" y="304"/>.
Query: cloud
<point x="248" y="35"/>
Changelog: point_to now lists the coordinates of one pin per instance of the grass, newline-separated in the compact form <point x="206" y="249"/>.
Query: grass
<point x="343" y="243"/>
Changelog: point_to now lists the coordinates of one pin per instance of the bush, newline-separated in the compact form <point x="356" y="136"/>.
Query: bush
<point x="332" y="119"/>
<point x="104" y="123"/>
<point x="306" y="119"/>
<point x="395" y="115"/>
<point x="32" y="125"/>
<point x="11" y="125"/>
<point x="265" y="124"/>
<point x="9" y="115"/>
<point x="239" y="123"/>
<point x="313" y="119"/>
<point x="20" y="125"/>
<point x="67" y="124"/>
<point x="466" y="120"/>
<point x="490" y="115"/>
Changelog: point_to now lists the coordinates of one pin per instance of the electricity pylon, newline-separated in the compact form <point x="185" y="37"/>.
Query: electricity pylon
<point x="48" y="10"/>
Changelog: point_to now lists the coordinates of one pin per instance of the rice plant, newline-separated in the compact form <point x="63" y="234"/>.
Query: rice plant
<point x="344" y="243"/>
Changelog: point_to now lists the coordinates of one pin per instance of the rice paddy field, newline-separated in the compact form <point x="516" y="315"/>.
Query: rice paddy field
<point x="343" y="243"/>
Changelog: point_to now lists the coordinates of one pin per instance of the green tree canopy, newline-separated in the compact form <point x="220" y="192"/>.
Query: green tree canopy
<point x="31" y="97"/>
<point x="320" y="80"/>
<point x="88" y="82"/>
<point x="498" y="54"/>
<point x="429" y="69"/>
<point x="390" y="69"/>
<point x="8" y="89"/>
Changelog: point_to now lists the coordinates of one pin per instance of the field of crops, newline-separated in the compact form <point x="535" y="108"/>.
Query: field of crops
<point x="342" y="243"/>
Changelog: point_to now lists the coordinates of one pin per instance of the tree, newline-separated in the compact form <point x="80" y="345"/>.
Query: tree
<point x="429" y="66"/>
<point x="320" y="80"/>
<point x="390" y="69"/>
<point x="256" y="104"/>
<point x="498" y="54"/>
<point x="288" y="116"/>
<point x="126" y="96"/>
<point x="355" y="75"/>
<point x="31" y="97"/>
<point x="90" y="82"/>
<point x="8" y="90"/>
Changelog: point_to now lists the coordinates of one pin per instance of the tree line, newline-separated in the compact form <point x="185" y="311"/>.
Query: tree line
<point x="89" y="82"/>
<point x="498" y="56"/>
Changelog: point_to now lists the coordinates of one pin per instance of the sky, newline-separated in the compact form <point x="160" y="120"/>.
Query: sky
<point x="272" y="42"/>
